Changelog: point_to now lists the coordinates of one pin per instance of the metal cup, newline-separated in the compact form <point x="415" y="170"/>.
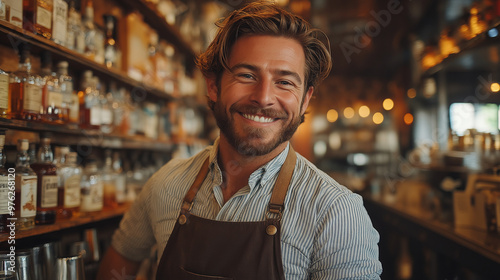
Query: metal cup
<point x="80" y="248"/>
<point x="24" y="263"/>
<point x="37" y="262"/>
<point x="49" y="253"/>
<point x="70" y="268"/>
<point x="90" y="236"/>
<point x="7" y="261"/>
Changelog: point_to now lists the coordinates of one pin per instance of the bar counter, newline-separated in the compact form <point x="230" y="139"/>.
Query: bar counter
<point x="475" y="250"/>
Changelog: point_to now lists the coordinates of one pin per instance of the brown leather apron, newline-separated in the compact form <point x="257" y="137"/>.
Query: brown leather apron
<point x="200" y="248"/>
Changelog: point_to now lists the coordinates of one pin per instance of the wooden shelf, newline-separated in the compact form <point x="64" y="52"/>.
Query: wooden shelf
<point x="165" y="30"/>
<point x="475" y="54"/>
<point x="13" y="36"/>
<point x="73" y="135"/>
<point x="70" y="223"/>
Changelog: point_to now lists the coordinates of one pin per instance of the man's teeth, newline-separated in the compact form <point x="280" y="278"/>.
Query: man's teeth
<point x="258" y="119"/>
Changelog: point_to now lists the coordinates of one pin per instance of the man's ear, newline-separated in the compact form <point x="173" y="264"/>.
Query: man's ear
<point x="305" y="104"/>
<point x="211" y="88"/>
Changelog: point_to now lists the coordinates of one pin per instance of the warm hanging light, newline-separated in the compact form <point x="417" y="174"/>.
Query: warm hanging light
<point x="364" y="111"/>
<point x="378" y="118"/>
<point x="332" y="115"/>
<point x="388" y="104"/>
<point x="349" y="112"/>
<point x="408" y="118"/>
<point x="495" y="87"/>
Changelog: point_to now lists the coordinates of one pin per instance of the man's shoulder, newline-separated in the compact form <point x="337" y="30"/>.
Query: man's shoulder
<point x="311" y="179"/>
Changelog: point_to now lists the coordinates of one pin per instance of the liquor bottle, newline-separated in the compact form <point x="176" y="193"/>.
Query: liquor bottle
<point x="3" y="11"/>
<point x="110" y="53"/>
<point x="25" y="89"/>
<point x="5" y="212"/>
<point x="70" y="104"/>
<point x="26" y="194"/>
<point x="109" y="181"/>
<point x="88" y="97"/>
<point x="4" y="93"/>
<point x="38" y="17"/>
<point x="47" y="183"/>
<point x="120" y="180"/>
<point x="91" y="189"/>
<point x="60" y="22"/>
<point x="106" y="103"/>
<point x="90" y="31"/>
<point x="52" y="98"/>
<point x="75" y="39"/>
<point x="70" y="175"/>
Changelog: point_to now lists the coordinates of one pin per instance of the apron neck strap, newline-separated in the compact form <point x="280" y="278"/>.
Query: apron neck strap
<point x="276" y="204"/>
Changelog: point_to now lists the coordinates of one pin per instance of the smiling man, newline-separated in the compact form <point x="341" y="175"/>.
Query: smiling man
<point x="250" y="207"/>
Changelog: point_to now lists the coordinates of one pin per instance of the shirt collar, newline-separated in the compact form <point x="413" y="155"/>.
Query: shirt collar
<point x="259" y="176"/>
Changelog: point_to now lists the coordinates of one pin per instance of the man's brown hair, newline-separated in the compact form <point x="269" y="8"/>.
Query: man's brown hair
<point x="263" y="18"/>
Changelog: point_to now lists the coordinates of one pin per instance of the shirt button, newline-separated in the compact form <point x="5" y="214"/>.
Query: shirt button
<point x="271" y="230"/>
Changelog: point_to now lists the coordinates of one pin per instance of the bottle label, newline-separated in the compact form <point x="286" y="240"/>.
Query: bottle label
<point x="26" y="189"/>
<point x="92" y="198"/>
<point x="4" y="90"/>
<point x="4" y="195"/>
<point x="72" y="191"/>
<point x="32" y="98"/>
<point x="60" y="21"/>
<point x="44" y="17"/>
<point x="74" y="111"/>
<point x="106" y="116"/>
<point x="95" y="116"/>
<point x="55" y="99"/>
<point x="49" y="191"/>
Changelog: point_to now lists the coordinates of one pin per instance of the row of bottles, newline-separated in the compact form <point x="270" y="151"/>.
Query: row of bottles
<point x="51" y="97"/>
<point x="62" y="22"/>
<point x="482" y="16"/>
<point x="52" y="188"/>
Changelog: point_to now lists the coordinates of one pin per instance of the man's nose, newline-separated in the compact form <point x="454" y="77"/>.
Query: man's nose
<point x="264" y="93"/>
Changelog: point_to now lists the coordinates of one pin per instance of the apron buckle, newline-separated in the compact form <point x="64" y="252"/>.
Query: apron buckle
<point x="274" y="209"/>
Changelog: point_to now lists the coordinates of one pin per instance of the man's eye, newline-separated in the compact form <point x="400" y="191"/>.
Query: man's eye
<point x="285" y="83"/>
<point x="245" y="76"/>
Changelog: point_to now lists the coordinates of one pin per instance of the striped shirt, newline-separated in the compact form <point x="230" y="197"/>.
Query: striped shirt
<point x="326" y="231"/>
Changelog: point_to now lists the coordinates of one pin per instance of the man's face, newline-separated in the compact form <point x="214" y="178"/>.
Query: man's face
<point x="259" y="103"/>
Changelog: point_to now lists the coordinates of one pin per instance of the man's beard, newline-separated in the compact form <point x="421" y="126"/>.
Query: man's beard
<point x="243" y="143"/>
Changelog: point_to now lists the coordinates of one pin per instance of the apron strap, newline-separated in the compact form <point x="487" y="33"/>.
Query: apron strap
<point x="276" y="204"/>
<point x="188" y="199"/>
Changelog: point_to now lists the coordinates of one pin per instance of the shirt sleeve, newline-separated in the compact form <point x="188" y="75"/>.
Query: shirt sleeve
<point x="134" y="238"/>
<point x="346" y="243"/>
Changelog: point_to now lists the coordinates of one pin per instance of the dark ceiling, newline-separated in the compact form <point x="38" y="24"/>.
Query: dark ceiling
<point x="368" y="37"/>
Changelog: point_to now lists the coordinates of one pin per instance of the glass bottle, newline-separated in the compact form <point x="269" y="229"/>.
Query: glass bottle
<point x="26" y="194"/>
<point x="60" y="22"/>
<point x="106" y="102"/>
<point x="110" y="54"/>
<point x="3" y="11"/>
<point x="90" y="31"/>
<point x="92" y="190"/>
<point x="75" y="39"/>
<point x="109" y="181"/>
<point x="70" y="103"/>
<point x="70" y="175"/>
<point x="4" y="93"/>
<point x="25" y="89"/>
<point x="47" y="184"/>
<point x="52" y="98"/>
<point x="38" y="17"/>
<point x="120" y="179"/>
<point x="90" y="109"/>
<point x="5" y="197"/>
